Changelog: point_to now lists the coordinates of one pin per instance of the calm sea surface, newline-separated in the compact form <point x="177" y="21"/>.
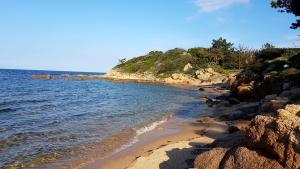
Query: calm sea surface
<point x="45" y="122"/>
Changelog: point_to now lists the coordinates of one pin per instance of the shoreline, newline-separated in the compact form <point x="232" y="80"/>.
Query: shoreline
<point x="175" y="133"/>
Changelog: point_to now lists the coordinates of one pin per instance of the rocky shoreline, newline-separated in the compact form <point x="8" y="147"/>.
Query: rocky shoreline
<point x="263" y="128"/>
<point x="202" y="77"/>
<point x="261" y="114"/>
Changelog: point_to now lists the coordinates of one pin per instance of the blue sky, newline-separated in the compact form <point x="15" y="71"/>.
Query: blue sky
<point x="91" y="35"/>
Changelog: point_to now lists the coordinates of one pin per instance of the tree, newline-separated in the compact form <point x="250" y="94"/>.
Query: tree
<point x="288" y="6"/>
<point x="246" y="55"/>
<point x="122" y="61"/>
<point x="267" y="46"/>
<point x="222" y="44"/>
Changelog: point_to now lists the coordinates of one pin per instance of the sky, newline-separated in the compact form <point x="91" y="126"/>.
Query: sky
<point x="92" y="35"/>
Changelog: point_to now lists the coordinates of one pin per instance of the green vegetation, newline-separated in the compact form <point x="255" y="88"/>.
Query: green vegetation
<point x="288" y="6"/>
<point x="221" y="56"/>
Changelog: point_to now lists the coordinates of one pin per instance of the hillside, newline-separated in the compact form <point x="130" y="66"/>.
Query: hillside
<point x="198" y="66"/>
<point x="164" y="64"/>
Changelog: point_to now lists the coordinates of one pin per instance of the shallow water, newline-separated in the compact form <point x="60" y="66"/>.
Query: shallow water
<point x="45" y="122"/>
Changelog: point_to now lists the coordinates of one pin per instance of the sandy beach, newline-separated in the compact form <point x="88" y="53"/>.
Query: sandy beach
<point x="173" y="144"/>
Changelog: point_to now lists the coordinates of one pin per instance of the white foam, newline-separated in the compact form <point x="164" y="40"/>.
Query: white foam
<point x="141" y="131"/>
<point x="125" y="146"/>
<point x="150" y="127"/>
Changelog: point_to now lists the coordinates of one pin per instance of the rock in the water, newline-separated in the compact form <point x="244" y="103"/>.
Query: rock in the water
<point x="201" y="89"/>
<point x="46" y="77"/>
<point x="203" y="99"/>
<point x="212" y="102"/>
<point x="233" y="101"/>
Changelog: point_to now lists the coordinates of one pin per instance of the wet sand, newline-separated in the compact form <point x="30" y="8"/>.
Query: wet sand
<point x="169" y="145"/>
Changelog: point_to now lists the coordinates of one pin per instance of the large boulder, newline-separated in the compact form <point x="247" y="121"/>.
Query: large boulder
<point x="245" y="91"/>
<point x="210" y="159"/>
<point x="295" y="92"/>
<point x="230" y="153"/>
<point x="278" y="136"/>
<point x="243" y="158"/>
<point x="179" y="78"/>
<point x="271" y="103"/>
<point x="188" y="67"/>
<point x="210" y="76"/>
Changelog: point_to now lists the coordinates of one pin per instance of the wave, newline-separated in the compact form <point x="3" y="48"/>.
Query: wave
<point x="7" y="110"/>
<point x="150" y="127"/>
<point x="143" y="130"/>
<point x="21" y="102"/>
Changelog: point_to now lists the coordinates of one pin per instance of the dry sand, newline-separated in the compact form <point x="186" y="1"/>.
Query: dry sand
<point x="171" y="145"/>
<point x="172" y="156"/>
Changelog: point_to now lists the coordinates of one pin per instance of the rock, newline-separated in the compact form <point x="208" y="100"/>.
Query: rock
<point x="239" y="125"/>
<point x="223" y="97"/>
<point x="203" y="99"/>
<point x="206" y="120"/>
<point x="228" y="141"/>
<point x="231" y="79"/>
<point x="201" y="89"/>
<point x="188" y="67"/>
<point x="292" y="108"/>
<point x="245" y="92"/>
<point x="270" y="97"/>
<point x="295" y="92"/>
<point x="271" y="103"/>
<point x="233" y="100"/>
<point x="179" y="78"/>
<point x="250" y="108"/>
<point x="46" y="77"/>
<point x="224" y="86"/>
<point x="278" y="136"/>
<point x="210" y="159"/>
<point x="242" y="111"/>
<point x="212" y="102"/>
<point x="285" y="86"/>
<point x="244" y="158"/>
<point x="210" y="76"/>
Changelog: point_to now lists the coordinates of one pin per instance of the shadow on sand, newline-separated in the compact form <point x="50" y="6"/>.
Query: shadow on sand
<point x="184" y="158"/>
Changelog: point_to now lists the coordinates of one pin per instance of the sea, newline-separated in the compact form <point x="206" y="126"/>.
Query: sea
<point x="50" y="123"/>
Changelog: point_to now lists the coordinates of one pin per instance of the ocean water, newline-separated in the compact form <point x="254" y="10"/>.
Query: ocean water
<point x="48" y="123"/>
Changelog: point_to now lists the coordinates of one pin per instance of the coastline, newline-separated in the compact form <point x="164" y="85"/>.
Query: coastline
<point x="174" y="135"/>
<point x="176" y="79"/>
